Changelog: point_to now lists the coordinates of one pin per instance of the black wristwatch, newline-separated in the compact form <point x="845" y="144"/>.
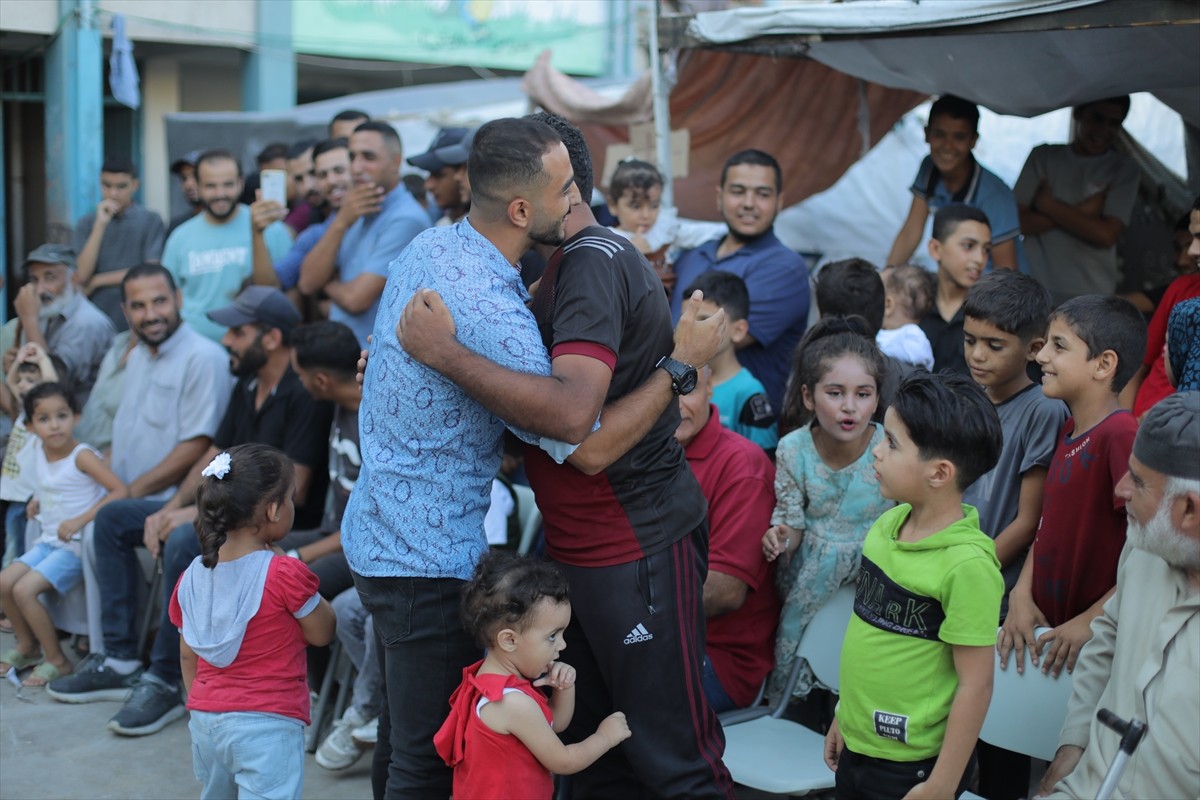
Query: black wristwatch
<point x="683" y="376"/>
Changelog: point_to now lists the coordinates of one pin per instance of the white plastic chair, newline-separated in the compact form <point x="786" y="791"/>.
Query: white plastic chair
<point x="528" y="515"/>
<point x="782" y="757"/>
<point x="1027" y="711"/>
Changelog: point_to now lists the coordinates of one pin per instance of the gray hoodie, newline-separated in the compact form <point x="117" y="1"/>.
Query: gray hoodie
<point x="218" y="603"/>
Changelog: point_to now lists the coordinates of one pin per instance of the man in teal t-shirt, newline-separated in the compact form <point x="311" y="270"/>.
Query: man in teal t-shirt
<point x="211" y="255"/>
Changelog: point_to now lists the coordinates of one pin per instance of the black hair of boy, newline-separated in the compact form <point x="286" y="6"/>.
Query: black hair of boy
<point x="914" y="287"/>
<point x="1121" y="100"/>
<point x="948" y="218"/>
<point x="956" y="108"/>
<point x="48" y="389"/>
<point x="1015" y="303"/>
<point x="851" y="286"/>
<point x="119" y="165"/>
<point x="1106" y="322"/>
<point x="756" y="158"/>
<point x="949" y="416"/>
<point x="636" y="176"/>
<point x="503" y="592"/>
<point x="725" y="290"/>
<point x="348" y="115"/>
<point x="29" y="368"/>
<point x="300" y="148"/>
<point x="328" y="346"/>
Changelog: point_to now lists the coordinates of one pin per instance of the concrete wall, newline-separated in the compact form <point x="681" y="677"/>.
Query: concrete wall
<point x="29" y="16"/>
<point x="168" y="86"/>
<point x="217" y="22"/>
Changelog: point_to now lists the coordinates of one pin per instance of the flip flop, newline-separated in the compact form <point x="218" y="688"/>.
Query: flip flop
<point x="17" y="660"/>
<point x="42" y="674"/>
<point x="6" y="625"/>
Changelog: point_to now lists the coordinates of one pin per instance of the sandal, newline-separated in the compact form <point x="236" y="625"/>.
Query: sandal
<point x="6" y="625"/>
<point x="15" y="659"/>
<point x="42" y="674"/>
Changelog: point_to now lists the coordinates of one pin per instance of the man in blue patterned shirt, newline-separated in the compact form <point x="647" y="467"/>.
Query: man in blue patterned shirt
<point x="413" y="529"/>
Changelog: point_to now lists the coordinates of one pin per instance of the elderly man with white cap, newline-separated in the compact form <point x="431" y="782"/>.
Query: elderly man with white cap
<point x="1143" y="660"/>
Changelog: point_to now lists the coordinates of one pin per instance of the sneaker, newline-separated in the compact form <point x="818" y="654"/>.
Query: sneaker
<point x="366" y="734"/>
<point x="92" y="681"/>
<point x="152" y="705"/>
<point x="339" y="750"/>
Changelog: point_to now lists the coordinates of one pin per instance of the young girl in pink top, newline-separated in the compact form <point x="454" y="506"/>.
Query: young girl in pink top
<point x="246" y="613"/>
<point x="501" y="736"/>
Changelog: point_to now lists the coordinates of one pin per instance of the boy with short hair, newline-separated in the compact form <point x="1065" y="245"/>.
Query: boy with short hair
<point x="1004" y="328"/>
<point x="950" y="174"/>
<point x="909" y="292"/>
<point x="739" y="396"/>
<point x="926" y="604"/>
<point x="962" y="239"/>
<point x="1093" y="347"/>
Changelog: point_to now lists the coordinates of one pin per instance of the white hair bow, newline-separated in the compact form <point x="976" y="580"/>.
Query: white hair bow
<point x="217" y="468"/>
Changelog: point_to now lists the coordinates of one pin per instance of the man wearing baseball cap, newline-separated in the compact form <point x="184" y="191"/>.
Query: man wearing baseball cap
<point x="185" y="168"/>
<point x="446" y="163"/>
<point x="52" y="312"/>
<point x="1145" y="649"/>
<point x="268" y="405"/>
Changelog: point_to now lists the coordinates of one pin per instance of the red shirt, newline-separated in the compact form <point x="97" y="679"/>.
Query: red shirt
<point x="738" y="480"/>
<point x="1155" y="386"/>
<point x="490" y="765"/>
<point x="1082" y="531"/>
<point x="270" y="671"/>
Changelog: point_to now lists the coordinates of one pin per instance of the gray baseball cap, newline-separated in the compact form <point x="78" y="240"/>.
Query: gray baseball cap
<point x="258" y="304"/>
<point x="51" y="254"/>
<point x="451" y="148"/>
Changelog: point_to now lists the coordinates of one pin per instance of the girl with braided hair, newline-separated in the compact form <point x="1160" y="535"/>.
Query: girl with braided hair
<point x="245" y="613"/>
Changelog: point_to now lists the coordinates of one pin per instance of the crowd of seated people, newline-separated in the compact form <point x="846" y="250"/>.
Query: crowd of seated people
<point x="826" y="455"/>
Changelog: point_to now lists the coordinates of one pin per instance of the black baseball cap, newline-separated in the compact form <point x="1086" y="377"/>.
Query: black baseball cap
<point x="261" y="304"/>
<point x="451" y="148"/>
<point x="188" y="159"/>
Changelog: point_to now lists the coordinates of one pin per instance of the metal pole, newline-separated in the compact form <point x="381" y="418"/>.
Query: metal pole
<point x="662" y="111"/>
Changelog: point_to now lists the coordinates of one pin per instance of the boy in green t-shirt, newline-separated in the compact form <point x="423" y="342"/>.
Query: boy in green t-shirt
<point x="916" y="675"/>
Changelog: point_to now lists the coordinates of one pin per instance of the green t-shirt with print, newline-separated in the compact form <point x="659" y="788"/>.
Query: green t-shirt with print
<point x="913" y="602"/>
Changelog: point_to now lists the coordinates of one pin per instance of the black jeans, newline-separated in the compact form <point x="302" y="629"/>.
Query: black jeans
<point x="866" y="778"/>
<point x="422" y="651"/>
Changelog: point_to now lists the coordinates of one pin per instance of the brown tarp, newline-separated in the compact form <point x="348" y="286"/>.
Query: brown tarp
<point x="802" y="112"/>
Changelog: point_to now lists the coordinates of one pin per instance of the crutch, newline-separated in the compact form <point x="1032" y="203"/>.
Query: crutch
<point x="1131" y="735"/>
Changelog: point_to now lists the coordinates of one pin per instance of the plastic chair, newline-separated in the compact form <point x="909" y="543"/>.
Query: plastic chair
<point x="528" y="515"/>
<point x="775" y="755"/>
<point x="1017" y="699"/>
<point x="1027" y="711"/>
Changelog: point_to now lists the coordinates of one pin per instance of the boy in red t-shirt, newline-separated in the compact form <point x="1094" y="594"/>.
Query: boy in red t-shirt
<point x="1092" y="349"/>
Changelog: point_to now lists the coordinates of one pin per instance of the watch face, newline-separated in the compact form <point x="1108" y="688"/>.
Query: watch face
<point x="687" y="381"/>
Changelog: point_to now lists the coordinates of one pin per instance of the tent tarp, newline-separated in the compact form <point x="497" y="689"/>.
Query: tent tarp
<point x="1066" y="52"/>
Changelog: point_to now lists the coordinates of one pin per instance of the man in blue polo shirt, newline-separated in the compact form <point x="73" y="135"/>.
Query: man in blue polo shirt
<point x="376" y="221"/>
<point x="749" y="198"/>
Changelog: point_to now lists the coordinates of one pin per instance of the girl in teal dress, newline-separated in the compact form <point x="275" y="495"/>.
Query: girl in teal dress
<point x="826" y="493"/>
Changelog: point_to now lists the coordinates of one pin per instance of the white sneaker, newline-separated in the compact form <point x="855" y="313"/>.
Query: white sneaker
<point x="339" y="750"/>
<point x="366" y="734"/>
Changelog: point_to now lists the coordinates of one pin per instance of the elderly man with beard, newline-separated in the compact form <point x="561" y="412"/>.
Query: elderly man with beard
<point x="211" y="255"/>
<point x="268" y="405"/>
<point x="1144" y="653"/>
<point x="52" y="312"/>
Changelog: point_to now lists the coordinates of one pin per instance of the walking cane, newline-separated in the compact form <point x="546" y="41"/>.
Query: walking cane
<point x="1131" y="735"/>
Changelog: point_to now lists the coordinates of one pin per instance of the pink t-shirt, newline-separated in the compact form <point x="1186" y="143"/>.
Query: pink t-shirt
<point x="269" y="673"/>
